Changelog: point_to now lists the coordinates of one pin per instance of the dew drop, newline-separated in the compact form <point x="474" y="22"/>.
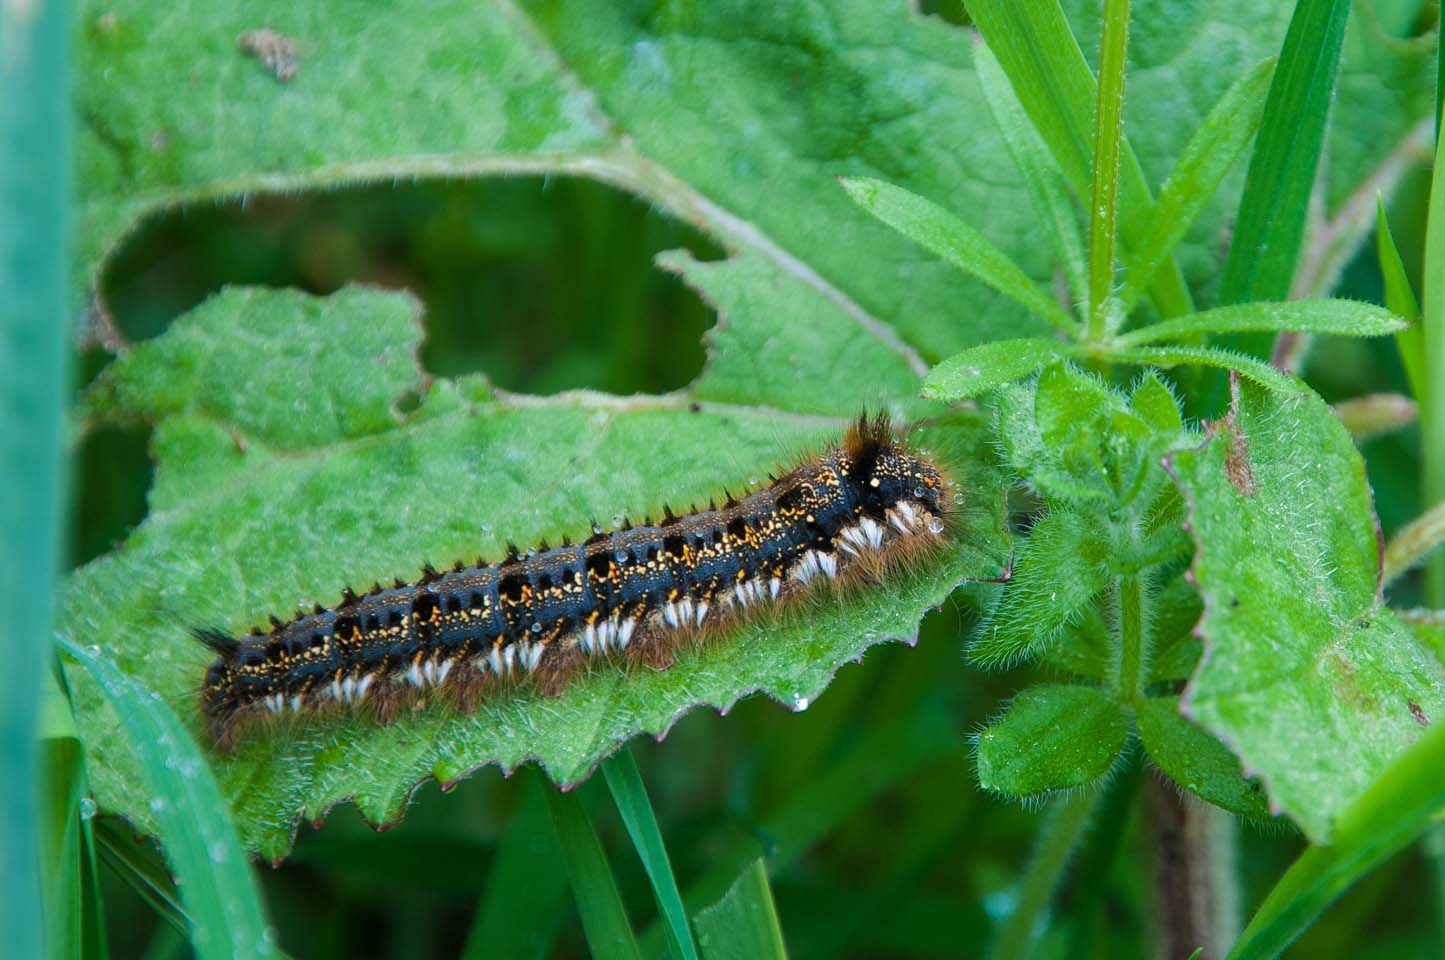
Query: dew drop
<point x="919" y="493"/>
<point x="87" y="808"/>
<point x="219" y="852"/>
<point x="157" y="804"/>
<point x="93" y="650"/>
<point x="935" y="525"/>
<point x="536" y="628"/>
<point x="617" y="519"/>
<point x="621" y="556"/>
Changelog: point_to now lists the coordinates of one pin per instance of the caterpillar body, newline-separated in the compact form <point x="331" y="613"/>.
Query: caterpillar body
<point x="848" y="513"/>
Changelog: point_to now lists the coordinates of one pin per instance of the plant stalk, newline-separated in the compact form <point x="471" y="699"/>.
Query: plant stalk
<point x="1195" y="888"/>
<point x="1108" y="132"/>
<point x="1059" y="835"/>
<point x="1132" y="639"/>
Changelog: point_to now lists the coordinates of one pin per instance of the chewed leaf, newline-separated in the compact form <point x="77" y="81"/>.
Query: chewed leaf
<point x="258" y="532"/>
<point x="1296" y="635"/>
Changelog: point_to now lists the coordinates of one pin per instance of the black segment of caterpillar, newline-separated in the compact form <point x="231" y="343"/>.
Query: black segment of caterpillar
<point x="849" y="512"/>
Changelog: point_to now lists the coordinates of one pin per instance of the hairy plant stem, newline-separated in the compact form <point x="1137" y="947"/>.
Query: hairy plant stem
<point x="1059" y="834"/>
<point x="1195" y="890"/>
<point x="1132" y="635"/>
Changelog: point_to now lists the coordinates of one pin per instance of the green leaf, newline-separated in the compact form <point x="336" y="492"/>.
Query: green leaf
<point x="1265" y="247"/>
<point x="1206" y="159"/>
<point x="1405" y="798"/>
<point x="34" y="236"/>
<point x="239" y="530"/>
<point x="1043" y="61"/>
<point x="1432" y="408"/>
<point x="1196" y="761"/>
<point x="940" y="232"/>
<point x="978" y="370"/>
<point x="664" y="102"/>
<point x="1296" y="635"/>
<point x="1350" y="318"/>
<point x="630" y="796"/>
<point x="1400" y="299"/>
<point x="604" y="919"/>
<point x="1047" y="187"/>
<point x="1059" y="572"/>
<point x="1247" y="366"/>
<point x="1053" y="737"/>
<point x="743" y="925"/>
<point x="217" y="888"/>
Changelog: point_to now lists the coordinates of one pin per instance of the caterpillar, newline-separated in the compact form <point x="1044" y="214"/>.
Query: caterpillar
<point x="848" y="513"/>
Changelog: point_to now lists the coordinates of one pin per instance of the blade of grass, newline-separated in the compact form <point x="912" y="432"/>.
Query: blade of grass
<point x="1273" y="209"/>
<point x="1104" y="188"/>
<point x="940" y="232"/>
<point x="1432" y="406"/>
<point x="518" y="912"/>
<point x="34" y="194"/>
<point x="630" y="795"/>
<point x="604" y="919"/>
<point x="72" y="908"/>
<point x="1389" y="815"/>
<point x="1410" y="342"/>
<point x="743" y="925"/>
<point x="142" y="870"/>
<point x="1038" y="52"/>
<point x="214" y="878"/>
<point x="1208" y="156"/>
<point x="1347" y="318"/>
<point x="1041" y="176"/>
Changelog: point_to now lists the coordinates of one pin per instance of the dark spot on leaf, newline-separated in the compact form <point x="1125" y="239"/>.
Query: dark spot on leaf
<point x="1419" y="714"/>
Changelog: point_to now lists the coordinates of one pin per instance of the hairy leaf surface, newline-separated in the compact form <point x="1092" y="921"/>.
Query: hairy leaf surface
<point x="1307" y="675"/>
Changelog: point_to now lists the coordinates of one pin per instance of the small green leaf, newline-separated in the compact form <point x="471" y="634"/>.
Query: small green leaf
<point x="940" y="232"/>
<point x="980" y="369"/>
<point x="211" y="870"/>
<point x="1296" y="634"/>
<point x="1275" y="204"/>
<point x="1053" y="737"/>
<point x="1400" y="298"/>
<point x="1207" y="157"/>
<point x="1177" y="609"/>
<point x="1173" y="356"/>
<point x="743" y="925"/>
<point x="604" y="918"/>
<point x="1104" y="314"/>
<point x="1156" y="404"/>
<point x="1398" y="804"/>
<point x="1061" y="569"/>
<point x="1047" y="187"/>
<point x="1196" y="760"/>
<point x="1348" y="318"/>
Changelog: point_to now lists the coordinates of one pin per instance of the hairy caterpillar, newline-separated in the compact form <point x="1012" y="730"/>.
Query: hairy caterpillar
<point x="847" y="513"/>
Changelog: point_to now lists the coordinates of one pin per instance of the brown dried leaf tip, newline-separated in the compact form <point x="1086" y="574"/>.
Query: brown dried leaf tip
<point x="276" y="51"/>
